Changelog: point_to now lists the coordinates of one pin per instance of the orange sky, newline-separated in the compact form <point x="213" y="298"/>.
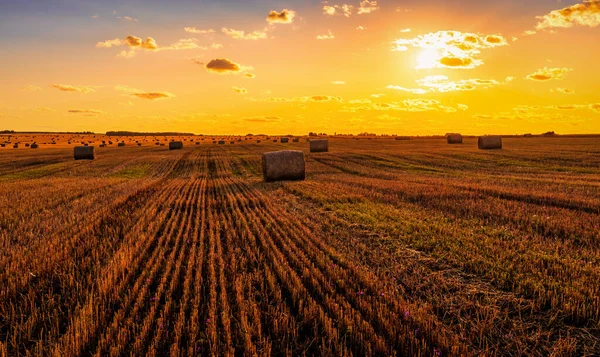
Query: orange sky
<point x="292" y="67"/>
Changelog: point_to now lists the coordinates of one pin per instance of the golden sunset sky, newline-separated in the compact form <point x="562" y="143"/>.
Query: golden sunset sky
<point x="277" y="67"/>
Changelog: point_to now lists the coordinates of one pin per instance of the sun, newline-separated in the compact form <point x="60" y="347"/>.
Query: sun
<point x="428" y="58"/>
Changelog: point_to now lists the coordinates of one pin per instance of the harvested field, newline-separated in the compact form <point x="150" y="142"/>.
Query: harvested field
<point x="389" y="247"/>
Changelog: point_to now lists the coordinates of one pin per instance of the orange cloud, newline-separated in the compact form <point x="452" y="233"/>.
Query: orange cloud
<point x="562" y="90"/>
<point x="266" y="119"/>
<point x="241" y="35"/>
<point x="153" y="95"/>
<point x="69" y="88"/>
<point x="240" y="90"/>
<point x="142" y="94"/>
<point x="249" y="75"/>
<point x="546" y="74"/>
<point x="328" y="36"/>
<point x="367" y="7"/>
<point x="344" y="9"/>
<point x="284" y="17"/>
<point x="193" y="29"/>
<point x="450" y="49"/>
<point x="89" y="112"/>
<point x="224" y="66"/>
<point x="584" y="14"/>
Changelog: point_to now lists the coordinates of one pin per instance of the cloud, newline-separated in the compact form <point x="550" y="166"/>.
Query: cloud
<point x="562" y="90"/>
<point x="31" y="88"/>
<point x="405" y="30"/>
<point x="328" y="36"/>
<point x="225" y="66"/>
<point x="314" y="99"/>
<point x="241" y="35"/>
<point x="153" y="95"/>
<point x="127" y="18"/>
<point x="367" y="7"/>
<point x="442" y="84"/>
<point x="240" y="90"/>
<point x="193" y="29"/>
<point x="345" y="10"/>
<point x="529" y="33"/>
<point x="450" y="49"/>
<point x="595" y="106"/>
<point x="70" y="88"/>
<point x="142" y="94"/>
<point x="546" y="74"/>
<point x="266" y="119"/>
<point x="184" y="44"/>
<point x="586" y="14"/>
<point x="249" y="75"/>
<point x="88" y="112"/>
<point x="360" y="28"/>
<point x="407" y="105"/>
<point x="133" y="42"/>
<point x="284" y="17"/>
<point x="216" y="46"/>
<point x="338" y="82"/>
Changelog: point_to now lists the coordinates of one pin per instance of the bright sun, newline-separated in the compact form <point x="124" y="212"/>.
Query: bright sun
<point x="427" y="58"/>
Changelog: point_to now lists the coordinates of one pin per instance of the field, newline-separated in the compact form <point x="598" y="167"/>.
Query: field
<point x="387" y="248"/>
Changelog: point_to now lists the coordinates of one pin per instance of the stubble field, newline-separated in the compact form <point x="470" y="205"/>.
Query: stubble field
<point x="387" y="248"/>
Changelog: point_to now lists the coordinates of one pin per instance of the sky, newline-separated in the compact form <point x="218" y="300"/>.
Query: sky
<point x="278" y="67"/>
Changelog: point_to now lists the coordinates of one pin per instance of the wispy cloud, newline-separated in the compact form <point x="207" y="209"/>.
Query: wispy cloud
<point x="242" y="35"/>
<point x="328" y="36"/>
<point x="546" y="74"/>
<point x="70" y="88"/>
<point x="193" y="29"/>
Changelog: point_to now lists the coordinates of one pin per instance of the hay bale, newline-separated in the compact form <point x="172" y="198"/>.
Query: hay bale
<point x="274" y="140"/>
<point x="102" y="145"/>
<point x="319" y="145"/>
<point x="197" y="143"/>
<point x="121" y="144"/>
<point x="285" y="140"/>
<point x="283" y="165"/>
<point x="489" y="142"/>
<point x="83" y="152"/>
<point x="258" y="141"/>
<point x="221" y="142"/>
<point x="33" y="146"/>
<point x="454" y="139"/>
<point x="15" y="146"/>
<point x="26" y="145"/>
<point x="296" y="140"/>
<point x="400" y="138"/>
<point x="139" y="144"/>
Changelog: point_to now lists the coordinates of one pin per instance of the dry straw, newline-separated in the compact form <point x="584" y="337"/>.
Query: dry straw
<point x="319" y="145"/>
<point x="283" y="165"/>
<point x="84" y="153"/>
<point x="489" y="142"/>
<point x="454" y="139"/>
<point x="175" y="145"/>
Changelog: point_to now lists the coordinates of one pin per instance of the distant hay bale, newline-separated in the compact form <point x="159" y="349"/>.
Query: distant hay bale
<point x="400" y="138"/>
<point x="489" y="142"/>
<point x="296" y="140"/>
<point x="232" y="142"/>
<point x="2" y="145"/>
<point x="454" y="139"/>
<point x="258" y="141"/>
<point x="26" y="145"/>
<point x="319" y="145"/>
<point x="15" y="146"/>
<point x="221" y="142"/>
<point x="139" y="144"/>
<point x="528" y="135"/>
<point x="83" y="152"/>
<point x="283" y="165"/>
<point x="285" y="140"/>
<point x="197" y="143"/>
<point x="121" y="144"/>
<point x="102" y="145"/>
<point x="33" y="146"/>
<point x="274" y="140"/>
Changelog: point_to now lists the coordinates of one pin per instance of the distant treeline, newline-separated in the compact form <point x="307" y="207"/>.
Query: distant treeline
<point x="47" y="132"/>
<point x="133" y="133"/>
